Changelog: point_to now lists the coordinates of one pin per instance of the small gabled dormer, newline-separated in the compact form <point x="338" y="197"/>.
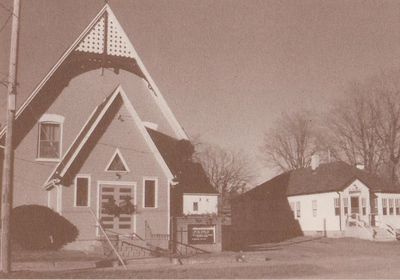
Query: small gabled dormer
<point x="49" y="142"/>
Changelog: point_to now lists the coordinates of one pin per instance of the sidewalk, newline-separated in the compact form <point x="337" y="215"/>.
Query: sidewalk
<point x="48" y="265"/>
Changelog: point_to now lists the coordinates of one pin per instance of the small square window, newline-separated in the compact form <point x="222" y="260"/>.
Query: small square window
<point x="195" y="206"/>
<point x="82" y="191"/>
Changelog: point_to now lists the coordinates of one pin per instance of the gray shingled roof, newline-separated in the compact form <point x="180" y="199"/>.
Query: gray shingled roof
<point x="329" y="177"/>
<point x="177" y="155"/>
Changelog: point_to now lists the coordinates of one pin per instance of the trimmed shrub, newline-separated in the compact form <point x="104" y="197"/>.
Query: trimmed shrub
<point x="36" y="227"/>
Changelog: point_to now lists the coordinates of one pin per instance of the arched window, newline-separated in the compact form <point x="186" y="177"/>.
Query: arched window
<point x="50" y="137"/>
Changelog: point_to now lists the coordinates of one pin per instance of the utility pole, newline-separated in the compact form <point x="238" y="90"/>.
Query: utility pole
<point x="8" y="169"/>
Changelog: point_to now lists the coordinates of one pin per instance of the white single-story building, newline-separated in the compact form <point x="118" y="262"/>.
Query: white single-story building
<point x="332" y="199"/>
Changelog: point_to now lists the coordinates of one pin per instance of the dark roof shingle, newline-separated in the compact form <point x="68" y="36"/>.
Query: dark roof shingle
<point x="328" y="177"/>
<point x="177" y="155"/>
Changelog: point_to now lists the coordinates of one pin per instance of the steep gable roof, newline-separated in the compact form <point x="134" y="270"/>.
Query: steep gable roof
<point x="329" y="177"/>
<point x="177" y="154"/>
<point x="104" y="36"/>
<point x="89" y="127"/>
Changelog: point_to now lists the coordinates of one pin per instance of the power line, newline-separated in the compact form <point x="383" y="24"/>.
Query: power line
<point x="124" y="148"/>
<point x="6" y="22"/>
<point x="4" y="83"/>
<point x="6" y="8"/>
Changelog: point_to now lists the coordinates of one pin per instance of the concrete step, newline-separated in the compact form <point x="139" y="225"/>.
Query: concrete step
<point x="358" y="232"/>
<point x="382" y="234"/>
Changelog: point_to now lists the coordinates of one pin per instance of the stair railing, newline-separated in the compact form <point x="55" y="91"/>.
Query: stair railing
<point x="189" y="248"/>
<point x="130" y="236"/>
<point x="98" y="224"/>
<point x="355" y="218"/>
<point x="388" y="228"/>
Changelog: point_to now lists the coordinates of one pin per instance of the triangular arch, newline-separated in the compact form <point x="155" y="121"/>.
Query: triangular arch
<point x="98" y="47"/>
<point x="117" y="163"/>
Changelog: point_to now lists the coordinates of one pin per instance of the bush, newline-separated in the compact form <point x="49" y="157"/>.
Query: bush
<point x="35" y="227"/>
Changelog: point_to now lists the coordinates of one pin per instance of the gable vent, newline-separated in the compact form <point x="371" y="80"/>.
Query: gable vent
<point x="94" y="41"/>
<point x="107" y="32"/>
<point x="117" y="42"/>
<point x="117" y="163"/>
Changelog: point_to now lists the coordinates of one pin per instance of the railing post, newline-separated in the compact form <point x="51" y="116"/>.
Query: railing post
<point x="108" y="239"/>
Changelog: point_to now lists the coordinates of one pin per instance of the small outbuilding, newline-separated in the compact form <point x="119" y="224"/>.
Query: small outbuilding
<point x="332" y="199"/>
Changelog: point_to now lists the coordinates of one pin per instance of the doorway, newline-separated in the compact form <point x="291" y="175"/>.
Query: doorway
<point x="355" y="204"/>
<point x="116" y="194"/>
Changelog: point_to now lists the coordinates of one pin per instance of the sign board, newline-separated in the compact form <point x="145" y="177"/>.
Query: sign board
<point x="201" y="234"/>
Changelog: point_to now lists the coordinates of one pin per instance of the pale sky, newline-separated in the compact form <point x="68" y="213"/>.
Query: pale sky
<point x="226" y="68"/>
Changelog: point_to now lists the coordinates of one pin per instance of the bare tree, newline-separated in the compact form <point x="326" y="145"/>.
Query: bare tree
<point x="228" y="171"/>
<point x="290" y="143"/>
<point x="365" y="125"/>
<point x="386" y="90"/>
<point x="353" y="126"/>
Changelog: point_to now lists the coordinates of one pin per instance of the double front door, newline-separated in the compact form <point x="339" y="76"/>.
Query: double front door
<point x="116" y="207"/>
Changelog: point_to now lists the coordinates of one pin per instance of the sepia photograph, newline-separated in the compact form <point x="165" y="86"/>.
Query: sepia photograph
<point x="200" y="139"/>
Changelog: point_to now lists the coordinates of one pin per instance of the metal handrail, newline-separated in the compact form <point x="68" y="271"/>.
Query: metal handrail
<point x="359" y="222"/>
<point x="157" y="252"/>
<point x="130" y="235"/>
<point x="108" y="239"/>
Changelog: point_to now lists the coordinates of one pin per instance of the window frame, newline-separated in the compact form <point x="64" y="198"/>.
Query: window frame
<point x="117" y="151"/>
<point x="155" y="179"/>
<point x="363" y="206"/>
<point x="375" y="208"/>
<point x="298" y="210"/>
<point x="197" y="206"/>
<point x="38" y="148"/>
<point x="336" y="204"/>
<point x="397" y="206"/>
<point x="384" y="206"/>
<point x="314" y="206"/>
<point x="345" y="205"/>
<point x="292" y="206"/>
<point x="87" y="176"/>
<point x="391" y="206"/>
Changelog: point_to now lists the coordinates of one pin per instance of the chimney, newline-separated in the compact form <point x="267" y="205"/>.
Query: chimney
<point x="360" y="166"/>
<point x="314" y="162"/>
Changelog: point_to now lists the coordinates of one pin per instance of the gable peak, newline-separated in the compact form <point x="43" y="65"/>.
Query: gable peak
<point x="105" y="35"/>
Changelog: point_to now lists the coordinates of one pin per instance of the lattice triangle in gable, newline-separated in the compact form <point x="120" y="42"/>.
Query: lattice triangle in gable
<point x="107" y="30"/>
<point x="93" y="42"/>
<point x="118" y="43"/>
